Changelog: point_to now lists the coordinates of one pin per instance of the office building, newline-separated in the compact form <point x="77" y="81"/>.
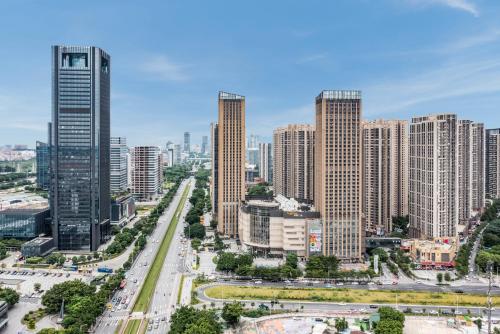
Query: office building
<point x="42" y="165"/>
<point x="187" y="142"/>
<point x="39" y="247"/>
<point x="293" y="164"/>
<point x="470" y="169"/>
<point x="214" y="180"/>
<point x="25" y="221"/>
<point x="492" y="172"/>
<point x="275" y="227"/>
<point x="338" y="173"/>
<point x="147" y="172"/>
<point x="385" y="174"/>
<point x="253" y="156"/>
<point x="170" y="157"/>
<point x="231" y="162"/>
<point x="177" y="154"/>
<point x="266" y="162"/>
<point x="80" y="165"/>
<point x="122" y="209"/>
<point x="433" y="178"/>
<point x="204" y="145"/>
<point x="118" y="163"/>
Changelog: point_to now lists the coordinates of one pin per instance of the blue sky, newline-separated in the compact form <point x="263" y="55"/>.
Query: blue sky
<point x="170" y="58"/>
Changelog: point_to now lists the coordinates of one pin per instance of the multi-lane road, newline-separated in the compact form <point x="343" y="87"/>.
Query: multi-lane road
<point x="165" y="293"/>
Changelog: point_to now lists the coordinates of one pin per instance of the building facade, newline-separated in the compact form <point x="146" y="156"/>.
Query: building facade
<point x="147" y="172"/>
<point x="231" y="162"/>
<point x="433" y="188"/>
<point x="266" y="162"/>
<point x="214" y="180"/>
<point x="187" y="142"/>
<point x="492" y="163"/>
<point x="42" y="165"/>
<point x="119" y="168"/>
<point x="338" y="173"/>
<point x="293" y="164"/>
<point x="385" y="174"/>
<point x="122" y="210"/>
<point x="24" y="222"/>
<point x="80" y="166"/>
<point x="204" y="145"/>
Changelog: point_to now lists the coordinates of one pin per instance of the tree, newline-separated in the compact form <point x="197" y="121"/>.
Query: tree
<point x="3" y="250"/>
<point x="447" y="277"/>
<point x="188" y="318"/>
<point x="69" y="290"/>
<point x="9" y="295"/>
<point x="439" y="277"/>
<point x="196" y="243"/>
<point x="37" y="286"/>
<point x="213" y="224"/>
<point x="388" y="313"/>
<point x="292" y="260"/>
<point x="96" y="255"/>
<point x="389" y="327"/>
<point x="74" y="259"/>
<point x="226" y="262"/>
<point x="341" y="324"/>
<point x="232" y="312"/>
<point x="195" y="231"/>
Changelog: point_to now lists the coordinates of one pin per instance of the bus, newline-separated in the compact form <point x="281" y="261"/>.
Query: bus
<point x="122" y="284"/>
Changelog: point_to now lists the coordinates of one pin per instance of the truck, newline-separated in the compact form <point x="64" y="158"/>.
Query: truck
<point x="122" y="284"/>
<point x="70" y="268"/>
<point x="105" y="270"/>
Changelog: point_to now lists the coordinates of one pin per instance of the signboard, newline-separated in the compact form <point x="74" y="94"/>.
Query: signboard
<point x="375" y="263"/>
<point x="315" y="238"/>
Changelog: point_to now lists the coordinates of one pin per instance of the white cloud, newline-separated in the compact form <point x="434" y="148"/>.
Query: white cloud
<point x="162" y="68"/>
<point x="464" y="5"/>
<point x="312" y="58"/>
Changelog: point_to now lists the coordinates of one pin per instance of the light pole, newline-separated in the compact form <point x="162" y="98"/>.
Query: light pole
<point x="489" y="301"/>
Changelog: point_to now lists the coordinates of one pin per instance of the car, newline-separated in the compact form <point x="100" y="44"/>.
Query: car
<point x="315" y="282"/>
<point x="373" y="306"/>
<point x="156" y="325"/>
<point x="371" y="283"/>
<point x="150" y="328"/>
<point x="119" y="307"/>
<point x="458" y="312"/>
<point x="258" y="282"/>
<point x="163" y="319"/>
<point x="342" y="304"/>
<point x="418" y="311"/>
<point x="67" y="275"/>
<point x="151" y="321"/>
<point x="433" y="312"/>
<point x="418" y="281"/>
<point x="355" y="283"/>
<point x="394" y="283"/>
<point x="328" y="285"/>
<point x="340" y="283"/>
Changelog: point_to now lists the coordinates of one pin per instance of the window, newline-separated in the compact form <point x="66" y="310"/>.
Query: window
<point x="75" y="60"/>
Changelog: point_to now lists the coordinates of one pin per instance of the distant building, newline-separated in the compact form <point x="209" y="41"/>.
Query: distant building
<point x="439" y="252"/>
<point x="276" y="227"/>
<point x="433" y="187"/>
<point x="385" y="174"/>
<point x="266" y="162"/>
<point x="177" y="154"/>
<point x="42" y="165"/>
<point x="231" y="162"/>
<point x="147" y="172"/>
<point x="39" y="247"/>
<point x="187" y="142"/>
<point x="119" y="168"/>
<point x="122" y="210"/>
<point x="80" y="167"/>
<point x="214" y="153"/>
<point x="204" y="145"/>
<point x="170" y="157"/>
<point x="338" y="173"/>
<point x="253" y="156"/>
<point x="493" y="163"/>
<point x="293" y="163"/>
<point x="24" y="222"/>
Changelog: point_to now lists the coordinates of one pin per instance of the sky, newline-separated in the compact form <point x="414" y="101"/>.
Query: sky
<point x="169" y="59"/>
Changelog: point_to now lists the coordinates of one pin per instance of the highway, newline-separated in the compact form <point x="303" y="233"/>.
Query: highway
<point x="109" y="321"/>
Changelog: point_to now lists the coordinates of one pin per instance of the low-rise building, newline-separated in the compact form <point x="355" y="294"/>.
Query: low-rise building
<point x="275" y="227"/>
<point x="4" y="307"/>
<point x="437" y="253"/>
<point x="122" y="209"/>
<point x="24" y="221"/>
<point x="40" y="246"/>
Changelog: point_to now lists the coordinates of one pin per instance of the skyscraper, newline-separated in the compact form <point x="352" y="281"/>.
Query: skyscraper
<point x="42" y="165"/>
<point x="492" y="163"/>
<point x="433" y="187"/>
<point x="214" y="153"/>
<point x="470" y="168"/>
<point x="187" y="142"/>
<point x="147" y="172"/>
<point x="119" y="170"/>
<point x="385" y="173"/>
<point x="338" y="172"/>
<point x="204" y="145"/>
<point x="266" y="162"/>
<point x="81" y="141"/>
<point x="231" y="161"/>
<point x="177" y="154"/>
<point x="293" y="164"/>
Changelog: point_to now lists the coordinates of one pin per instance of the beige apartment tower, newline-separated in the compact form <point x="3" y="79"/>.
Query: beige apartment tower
<point x="231" y="162"/>
<point x="433" y="187"/>
<point x="471" y="148"/>
<point x="385" y="174"/>
<point x="493" y="163"/>
<point x="147" y="172"/>
<point x="293" y="164"/>
<point x="338" y="173"/>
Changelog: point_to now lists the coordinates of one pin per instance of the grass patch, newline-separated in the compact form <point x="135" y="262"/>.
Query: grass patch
<point x="32" y="317"/>
<point x="147" y="290"/>
<point x="347" y="296"/>
<point x="132" y="326"/>
<point x="118" y="326"/>
<point x="179" y="293"/>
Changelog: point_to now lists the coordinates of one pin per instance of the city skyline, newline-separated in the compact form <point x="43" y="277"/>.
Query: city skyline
<point x="418" y="78"/>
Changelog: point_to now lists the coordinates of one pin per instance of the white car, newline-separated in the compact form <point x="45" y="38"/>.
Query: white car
<point x="258" y="282"/>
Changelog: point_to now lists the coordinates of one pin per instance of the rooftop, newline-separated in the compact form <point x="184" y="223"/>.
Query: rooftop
<point x="339" y="95"/>
<point x="230" y="96"/>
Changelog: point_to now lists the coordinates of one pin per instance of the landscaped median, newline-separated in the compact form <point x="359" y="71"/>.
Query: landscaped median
<point x="133" y="326"/>
<point x="232" y="292"/>
<point x="148" y="288"/>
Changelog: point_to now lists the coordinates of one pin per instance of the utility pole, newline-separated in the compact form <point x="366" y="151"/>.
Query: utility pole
<point x="489" y="267"/>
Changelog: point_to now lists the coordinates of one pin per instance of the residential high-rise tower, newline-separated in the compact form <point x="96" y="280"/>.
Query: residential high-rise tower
<point x="492" y="168"/>
<point x="147" y="173"/>
<point x="119" y="170"/>
<point x="266" y="162"/>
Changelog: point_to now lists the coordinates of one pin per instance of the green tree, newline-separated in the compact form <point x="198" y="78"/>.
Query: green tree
<point x="388" y="313"/>
<point x="96" y="255"/>
<point x="226" y="262"/>
<point x="195" y="231"/>
<point x="341" y="324"/>
<point x="292" y="260"/>
<point x="232" y="312"/>
<point x="213" y="224"/>
<point x="74" y="259"/>
<point x="196" y="243"/>
<point x="9" y="295"/>
<point x="439" y="277"/>
<point x="447" y="277"/>
<point x="3" y="250"/>
<point x="389" y="327"/>
<point x="69" y="290"/>
<point x="37" y="286"/>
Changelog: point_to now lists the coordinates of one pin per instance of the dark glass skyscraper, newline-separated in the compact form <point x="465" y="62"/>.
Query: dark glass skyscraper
<point x="42" y="165"/>
<point x="80" y="140"/>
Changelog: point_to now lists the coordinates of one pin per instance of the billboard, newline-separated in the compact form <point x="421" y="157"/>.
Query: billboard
<point x="315" y="237"/>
